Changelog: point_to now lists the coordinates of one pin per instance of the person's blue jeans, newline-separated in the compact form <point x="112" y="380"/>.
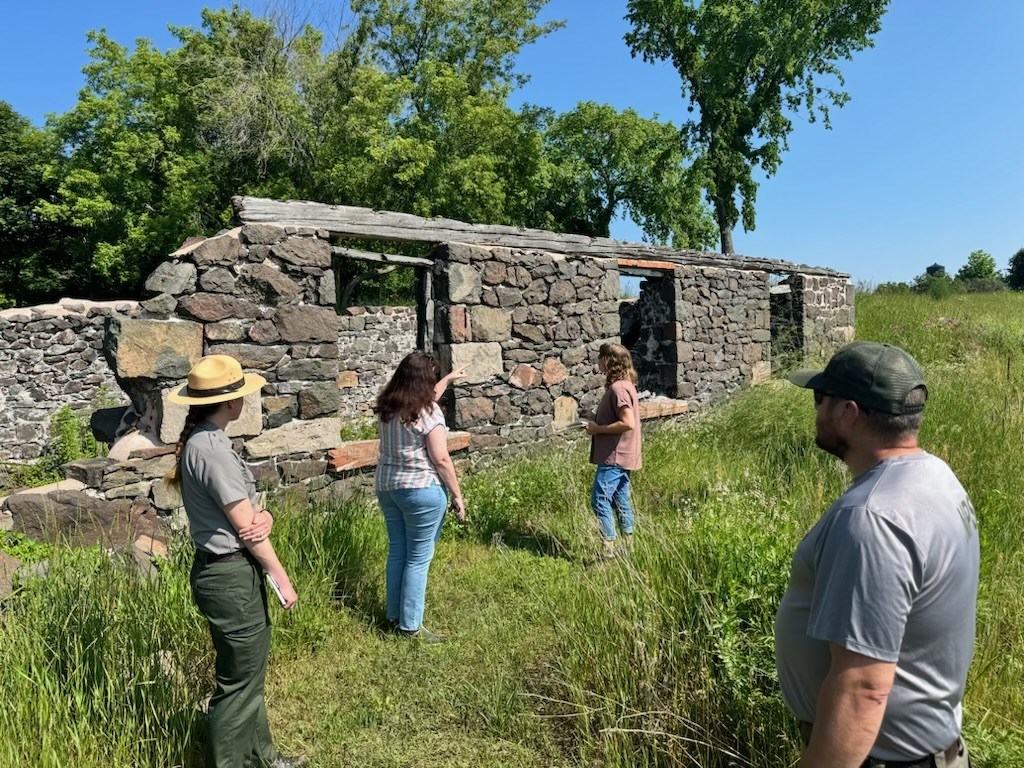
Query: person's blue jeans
<point x="413" y="517"/>
<point x="611" y="490"/>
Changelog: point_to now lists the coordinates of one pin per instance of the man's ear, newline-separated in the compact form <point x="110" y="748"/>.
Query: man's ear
<point x="852" y="413"/>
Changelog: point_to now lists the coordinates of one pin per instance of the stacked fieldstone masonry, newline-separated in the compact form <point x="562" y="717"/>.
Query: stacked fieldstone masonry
<point x="527" y="324"/>
<point x="826" y="313"/>
<point x="371" y="342"/>
<point x="724" y="339"/>
<point x="50" y="356"/>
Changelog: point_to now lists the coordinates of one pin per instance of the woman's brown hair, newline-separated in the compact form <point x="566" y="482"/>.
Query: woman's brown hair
<point x="619" y="363"/>
<point x="197" y="414"/>
<point x="411" y="389"/>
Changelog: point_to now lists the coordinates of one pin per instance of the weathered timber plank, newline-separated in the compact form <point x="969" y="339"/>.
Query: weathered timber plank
<point x="357" y="454"/>
<point x="387" y="258"/>
<point x="646" y="264"/>
<point x="405" y="227"/>
<point x="662" y="407"/>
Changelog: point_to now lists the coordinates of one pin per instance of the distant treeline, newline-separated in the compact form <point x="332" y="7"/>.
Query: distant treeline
<point x="978" y="275"/>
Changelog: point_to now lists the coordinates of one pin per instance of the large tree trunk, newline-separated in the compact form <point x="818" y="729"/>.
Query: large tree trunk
<point x="724" y="226"/>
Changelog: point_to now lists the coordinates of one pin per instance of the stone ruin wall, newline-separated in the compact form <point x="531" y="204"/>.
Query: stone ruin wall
<point x="826" y="314"/>
<point x="724" y="337"/>
<point x="528" y="325"/>
<point x="699" y="333"/>
<point x="371" y="342"/>
<point x="52" y="356"/>
<point x="811" y="317"/>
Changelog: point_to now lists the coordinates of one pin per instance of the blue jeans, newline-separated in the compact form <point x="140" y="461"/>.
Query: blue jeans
<point x="611" y="489"/>
<point x="413" y="517"/>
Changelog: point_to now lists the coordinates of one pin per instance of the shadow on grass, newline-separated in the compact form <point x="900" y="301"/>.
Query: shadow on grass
<point x="538" y="542"/>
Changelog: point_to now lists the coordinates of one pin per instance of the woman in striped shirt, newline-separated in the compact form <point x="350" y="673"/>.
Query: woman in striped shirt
<point x="413" y="472"/>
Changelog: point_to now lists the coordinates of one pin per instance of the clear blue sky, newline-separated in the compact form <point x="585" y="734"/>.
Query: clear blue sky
<point x="925" y="164"/>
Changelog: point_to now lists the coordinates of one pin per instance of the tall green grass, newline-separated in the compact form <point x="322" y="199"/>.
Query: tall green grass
<point x="669" y="661"/>
<point x="100" y="668"/>
<point x="664" y="658"/>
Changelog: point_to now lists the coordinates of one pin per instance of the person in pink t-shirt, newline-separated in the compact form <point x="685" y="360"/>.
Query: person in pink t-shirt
<point x="615" y="445"/>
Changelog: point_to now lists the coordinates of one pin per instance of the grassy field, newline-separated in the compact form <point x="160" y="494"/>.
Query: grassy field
<point x="663" y="659"/>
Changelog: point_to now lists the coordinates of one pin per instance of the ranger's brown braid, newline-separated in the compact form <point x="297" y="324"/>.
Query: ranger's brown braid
<point x="197" y="414"/>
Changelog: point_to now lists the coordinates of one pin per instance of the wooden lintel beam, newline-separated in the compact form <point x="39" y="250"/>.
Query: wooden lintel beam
<point x="386" y="258"/>
<point x="645" y="264"/>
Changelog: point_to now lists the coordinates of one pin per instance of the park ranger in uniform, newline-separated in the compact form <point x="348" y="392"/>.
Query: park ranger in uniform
<point x="233" y="552"/>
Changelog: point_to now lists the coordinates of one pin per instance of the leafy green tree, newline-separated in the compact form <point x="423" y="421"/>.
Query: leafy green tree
<point x="478" y="39"/>
<point x="421" y="121"/>
<point x="980" y="266"/>
<point x="409" y="112"/>
<point x="158" y="142"/>
<point x="258" y="96"/>
<point x="605" y="162"/>
<point x="1015" y="271"/>
<point x="126" y="148"/>
<point x="36" y="256"/>
<point x="747" y="66"/>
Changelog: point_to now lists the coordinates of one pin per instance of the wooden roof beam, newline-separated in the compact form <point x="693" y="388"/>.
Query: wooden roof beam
<point x="349" y="221"/>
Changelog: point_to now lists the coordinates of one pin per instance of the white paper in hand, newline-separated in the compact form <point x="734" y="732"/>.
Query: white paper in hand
<point x="276" y="588"/>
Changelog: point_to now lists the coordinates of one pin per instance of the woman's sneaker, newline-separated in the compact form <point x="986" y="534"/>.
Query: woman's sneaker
<point x="423" y="634"/>
<point x="608" y="549"/>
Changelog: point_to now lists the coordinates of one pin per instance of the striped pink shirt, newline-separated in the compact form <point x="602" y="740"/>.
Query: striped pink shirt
<point x="404" y="462"/>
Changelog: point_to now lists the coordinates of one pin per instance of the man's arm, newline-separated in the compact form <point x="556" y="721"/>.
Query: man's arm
<point x="849" y="712"/>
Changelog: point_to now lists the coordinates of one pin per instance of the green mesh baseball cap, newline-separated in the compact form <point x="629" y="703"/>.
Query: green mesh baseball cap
<point x="876" y="376"/>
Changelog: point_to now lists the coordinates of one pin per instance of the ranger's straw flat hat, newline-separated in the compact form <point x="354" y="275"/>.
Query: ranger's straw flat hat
<point x="216" y="379"/>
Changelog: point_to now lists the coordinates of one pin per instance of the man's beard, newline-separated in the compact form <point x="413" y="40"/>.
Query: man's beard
<point x="834" y="445"/>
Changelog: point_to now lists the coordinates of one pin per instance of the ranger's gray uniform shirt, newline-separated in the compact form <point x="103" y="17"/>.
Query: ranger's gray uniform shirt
<point x="890" y="571"/>
<point x="212" y="477"/>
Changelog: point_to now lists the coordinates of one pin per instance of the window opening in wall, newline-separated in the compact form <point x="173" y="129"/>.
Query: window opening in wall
<point x="647" y="328"/>
<point x="384" y="297"/>
<point x="629" y="287"/>
<point x="385" y="274"/>
<point x="786" y="328"/>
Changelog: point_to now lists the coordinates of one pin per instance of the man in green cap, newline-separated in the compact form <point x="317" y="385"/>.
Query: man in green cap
<point x="875" y="633"/>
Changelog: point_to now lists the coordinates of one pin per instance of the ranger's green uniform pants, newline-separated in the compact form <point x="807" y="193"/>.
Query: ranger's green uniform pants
<point x="231" y="594"/>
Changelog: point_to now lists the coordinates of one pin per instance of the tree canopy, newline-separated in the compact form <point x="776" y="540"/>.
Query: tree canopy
<point x="31" y="256"/>
<point x="747" y="66"/>
<point x="408" y="111"/>
<point x="604" y="161"/>
<point x="980" y="266"/>
<point x="1015" y="271"/>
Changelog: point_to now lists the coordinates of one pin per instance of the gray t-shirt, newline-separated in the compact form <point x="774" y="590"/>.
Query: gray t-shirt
<point x="213" y="476"/>
<point x="890" y="571"/>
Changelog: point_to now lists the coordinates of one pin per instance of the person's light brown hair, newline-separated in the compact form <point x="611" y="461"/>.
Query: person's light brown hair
<point x="619" y="363"/>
